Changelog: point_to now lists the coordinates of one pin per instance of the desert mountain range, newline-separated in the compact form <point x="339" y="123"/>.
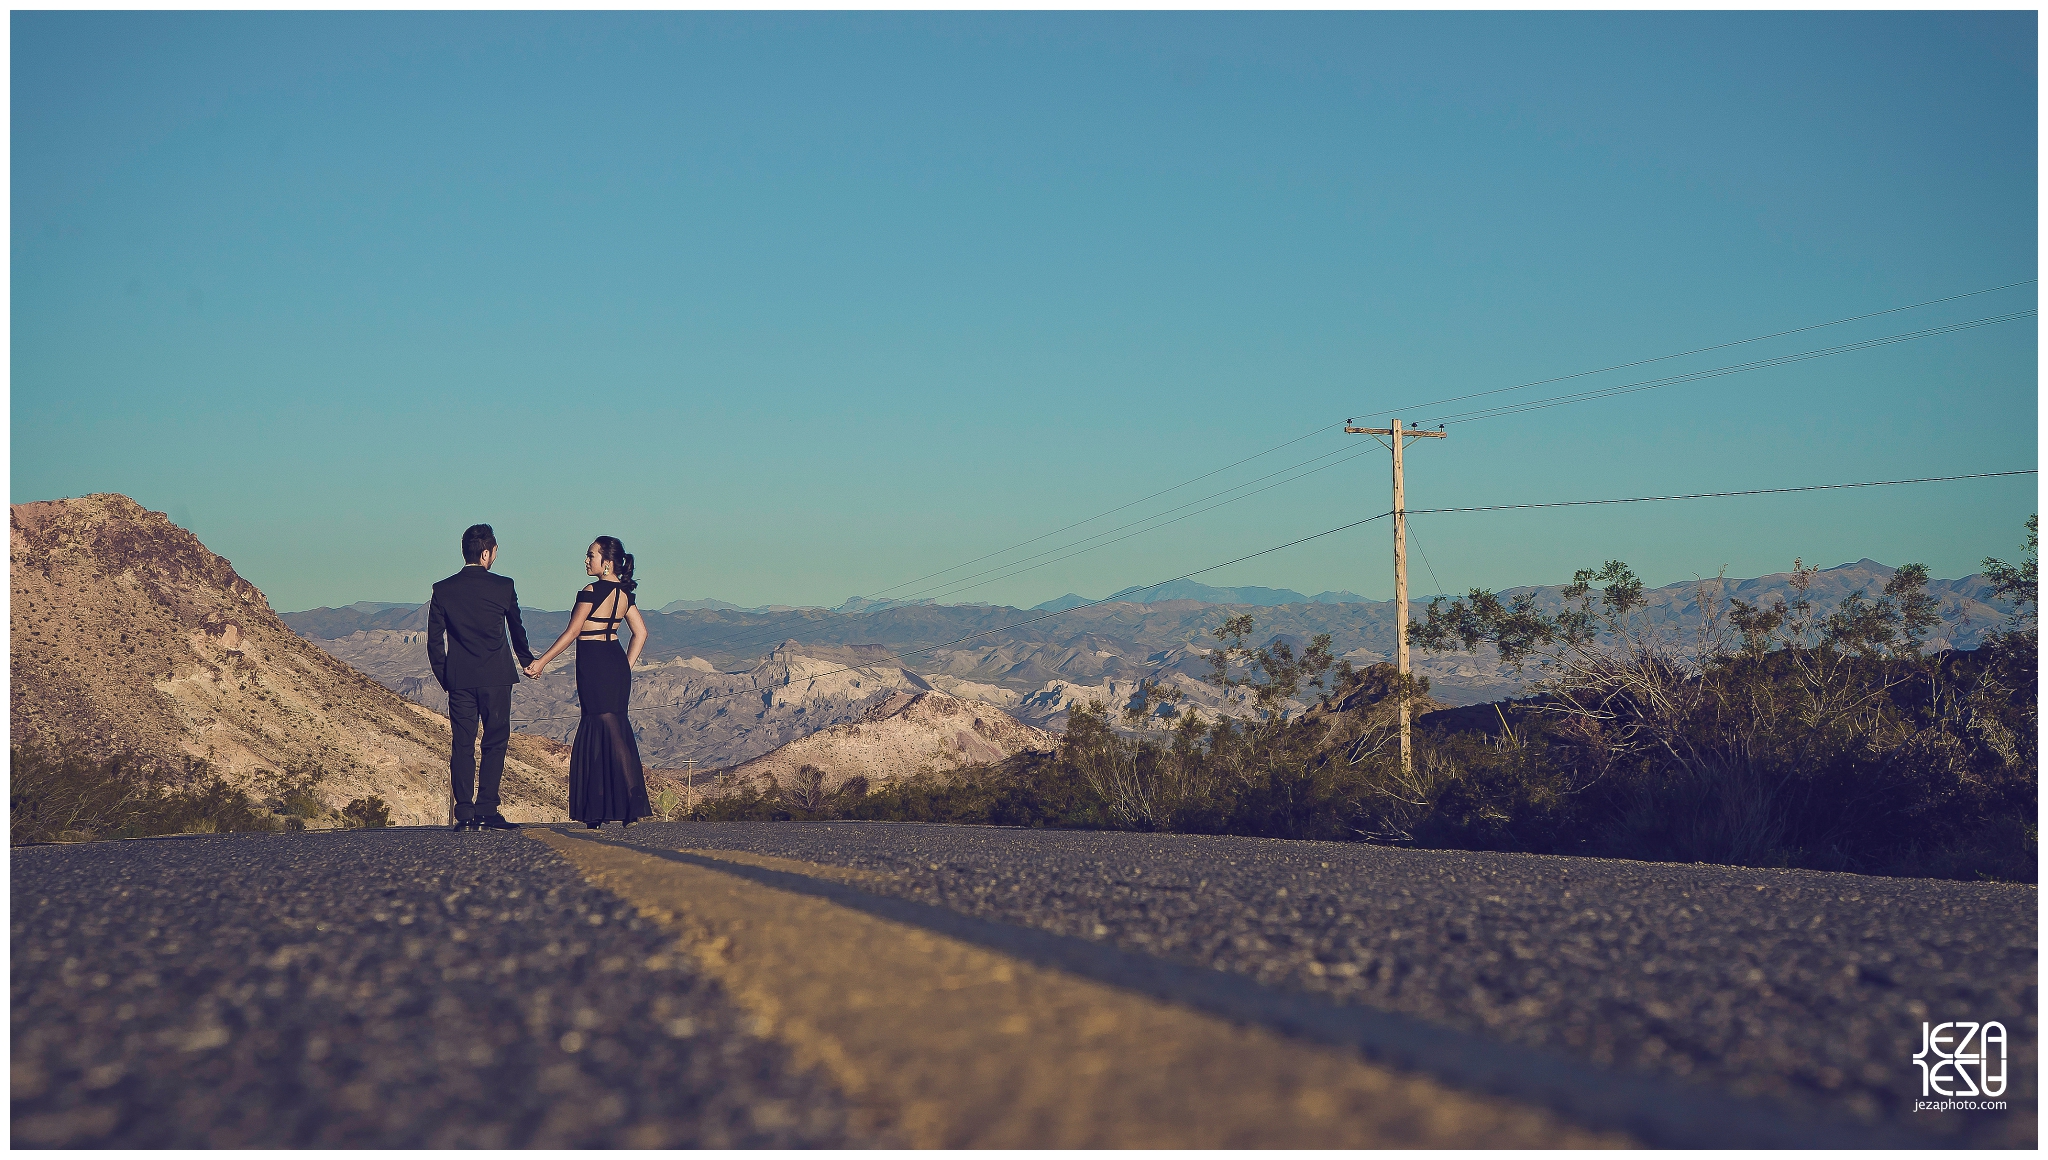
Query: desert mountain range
<point x="1036" y="670"/>
<point x="127" y="634"/>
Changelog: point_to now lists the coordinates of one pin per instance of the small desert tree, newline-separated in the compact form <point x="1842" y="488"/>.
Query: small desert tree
<point x="2020" y="583"/>
<point x="806" y="789"/>
<point x="1280" y="675"/>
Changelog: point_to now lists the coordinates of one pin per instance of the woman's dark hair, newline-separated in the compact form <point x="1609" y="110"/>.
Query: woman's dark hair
<point x="612" y="552"/>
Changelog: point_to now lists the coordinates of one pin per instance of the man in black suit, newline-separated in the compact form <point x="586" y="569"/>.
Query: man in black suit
<point x="475" y="608"/>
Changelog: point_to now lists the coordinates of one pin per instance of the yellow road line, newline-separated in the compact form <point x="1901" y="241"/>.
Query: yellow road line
<point x="842" y="874"/>
<point x="941" y="1043"/>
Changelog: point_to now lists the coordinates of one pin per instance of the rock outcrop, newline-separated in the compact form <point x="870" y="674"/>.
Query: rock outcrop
<point x="127" y="634"/>
<point x="904" y="735"/>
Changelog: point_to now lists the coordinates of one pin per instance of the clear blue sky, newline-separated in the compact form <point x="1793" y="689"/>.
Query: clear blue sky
<point x="803" y="306"/>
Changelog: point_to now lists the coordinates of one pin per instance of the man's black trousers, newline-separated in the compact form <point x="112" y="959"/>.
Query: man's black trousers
<point x="492" y="706"/>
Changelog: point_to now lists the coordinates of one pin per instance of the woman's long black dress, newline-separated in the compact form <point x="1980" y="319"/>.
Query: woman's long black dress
<point x="606" y="783"/>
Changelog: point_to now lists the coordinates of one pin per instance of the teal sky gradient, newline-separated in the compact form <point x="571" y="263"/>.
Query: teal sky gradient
<point x="803" y="306"/>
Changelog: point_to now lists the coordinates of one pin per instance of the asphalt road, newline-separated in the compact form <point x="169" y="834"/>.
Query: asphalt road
<point x="1794" y="987"/>
<point x="421" y="988"/>
<point x="370" y="989"/>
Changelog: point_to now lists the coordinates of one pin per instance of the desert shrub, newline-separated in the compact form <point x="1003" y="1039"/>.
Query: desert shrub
<point x="999" y="794"/>
<point x="1932" y="781"/>
<point x="292" y="795"/>
<point x="366" y="813"/>
<point x="210" y="807"/>
<point x="748" y="805"/>
<point x="62" y="797"/>
<point x="1030" y="789"/>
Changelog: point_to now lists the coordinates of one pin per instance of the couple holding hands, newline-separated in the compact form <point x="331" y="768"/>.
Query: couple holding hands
<point x="474" y="610"/>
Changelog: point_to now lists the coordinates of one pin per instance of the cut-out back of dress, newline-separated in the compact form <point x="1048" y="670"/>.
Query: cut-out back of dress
<point x="599" y="600"/>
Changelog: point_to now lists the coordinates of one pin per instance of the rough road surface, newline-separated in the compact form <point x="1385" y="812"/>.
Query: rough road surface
<point x="1787" y="985"/>
<point x="420" y="988"/>
<point x="370" y="989"/>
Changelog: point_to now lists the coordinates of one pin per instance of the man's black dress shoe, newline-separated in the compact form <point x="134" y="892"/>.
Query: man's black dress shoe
<point x="459" y="825"/>
<point x="496" y="822"/>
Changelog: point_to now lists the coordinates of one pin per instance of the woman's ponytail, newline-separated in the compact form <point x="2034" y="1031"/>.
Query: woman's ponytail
<point x="612" y="552"/>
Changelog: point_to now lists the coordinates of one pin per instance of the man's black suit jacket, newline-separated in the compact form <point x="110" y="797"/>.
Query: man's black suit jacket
<point x="475" y="608"/>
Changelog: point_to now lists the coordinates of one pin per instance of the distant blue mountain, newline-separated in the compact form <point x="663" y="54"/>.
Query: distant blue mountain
<point x="1189" y="590"/>
<point x="696" y="605"/>
<point x="1185" y="590"/>
<point x="863" y="604"/>
<point x="1209" y="595"/>
<point x="1340" y="597"/>
<point x="1070" y="600"/>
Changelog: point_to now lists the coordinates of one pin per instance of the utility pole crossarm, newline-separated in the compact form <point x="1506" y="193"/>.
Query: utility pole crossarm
<point x="1389" y="431"/>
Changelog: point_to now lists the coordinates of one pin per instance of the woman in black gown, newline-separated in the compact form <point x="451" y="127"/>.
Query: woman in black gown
<point x="606" y="783"/>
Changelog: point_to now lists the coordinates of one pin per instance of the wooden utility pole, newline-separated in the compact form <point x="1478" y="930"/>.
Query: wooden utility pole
<point x="1398" y="437"/>
<point x="690" y="785"/>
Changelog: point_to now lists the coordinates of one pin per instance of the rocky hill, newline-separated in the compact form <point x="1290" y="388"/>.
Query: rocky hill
<point x="903" y="735"/>
<point x="127" y="634"/>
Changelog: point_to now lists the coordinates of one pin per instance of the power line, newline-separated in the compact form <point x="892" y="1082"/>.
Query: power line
<point x="1425" y="558"/>
<point x="1719" y="372"/>
<point x="1509" y="507"/>
<point x="1126" y="594"/>
<point x="1114" y="510"/>
<point x="1716" y="346"/>
<point x="1169" y="511"/>
<point x="953" y="587"/>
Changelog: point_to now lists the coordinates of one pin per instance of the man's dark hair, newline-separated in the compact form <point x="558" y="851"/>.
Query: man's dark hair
<point x="477" y="540"/>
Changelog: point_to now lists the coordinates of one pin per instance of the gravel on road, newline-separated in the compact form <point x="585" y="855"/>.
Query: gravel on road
<point x="1795" y="986"/>
<point x="396" y="988"/>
